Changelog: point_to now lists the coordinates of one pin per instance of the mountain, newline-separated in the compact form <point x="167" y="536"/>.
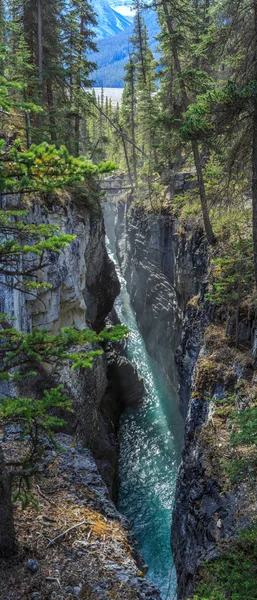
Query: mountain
<point x="113" y="53"/>
<point x="123" y="7"/>
<point x="109" y="21"/>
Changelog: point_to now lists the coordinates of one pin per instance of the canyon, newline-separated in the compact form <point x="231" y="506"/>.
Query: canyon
<point x="163" y="269"/>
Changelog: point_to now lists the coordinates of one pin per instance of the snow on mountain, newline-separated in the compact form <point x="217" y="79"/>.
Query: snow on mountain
<point x="109" y="21"/>
<point x="113" y="33"/>
<point x="123" y="7"/>
<point x="125" y="11"/>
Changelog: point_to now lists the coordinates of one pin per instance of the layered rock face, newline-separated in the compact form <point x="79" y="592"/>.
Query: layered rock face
<point x="84" y="286"/>
<point x="166" y="267"/>
<point x="163" y="269"/>
<point x="211" y="505"/>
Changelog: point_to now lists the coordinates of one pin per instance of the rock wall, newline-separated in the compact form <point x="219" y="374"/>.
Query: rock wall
<point x="164" y="268"/>
<point x="166" y="273"/>
<point x="212" y="504"/>
<point x="84" y="286"/>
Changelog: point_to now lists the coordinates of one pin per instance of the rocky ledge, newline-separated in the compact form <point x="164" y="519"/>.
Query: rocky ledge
<point x="77" y="545"/>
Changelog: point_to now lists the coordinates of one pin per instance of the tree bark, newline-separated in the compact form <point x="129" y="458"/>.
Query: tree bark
<point x="78" y="85"/>
<point x="138" y="18"/>
<point x="40" y="44"/>
<point x="50" y="102"/>
<point x="2" y="34"/>
<point x="7" y="535"/>
<point x="127" y="159"/>
<point x="254" y="155"/>
<point x="204" y="206"/>
<point x="133" y="108"/>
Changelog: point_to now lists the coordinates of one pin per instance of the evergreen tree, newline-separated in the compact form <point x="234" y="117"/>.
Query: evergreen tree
<point x="171" y="13"/>
<point x="129" y="111"/>
<point x="78" y="39"/>
<point x="25" y="249"/>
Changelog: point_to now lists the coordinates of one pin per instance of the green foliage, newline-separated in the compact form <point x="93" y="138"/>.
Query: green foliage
<point x="36" y="421"/>
<point x="44" y="168"/>
<point x="18" y="351"/>
<point x="234" y="574"/>
<point x="216" y="109"/>
<point x="24" y="495"/>
<point x="245" y="423"/>
<point x="233" y="276"/>
<point x="237" y="470"/>
<point x="44" y="70"/>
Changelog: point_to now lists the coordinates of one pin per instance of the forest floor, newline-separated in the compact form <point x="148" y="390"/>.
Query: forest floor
<point x="92" y="561"/>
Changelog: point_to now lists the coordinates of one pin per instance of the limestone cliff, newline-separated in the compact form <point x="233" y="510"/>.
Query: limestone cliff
<point x="84" y="286"/>
<point x="166" y="269"/>
<point x="215" y="494"/>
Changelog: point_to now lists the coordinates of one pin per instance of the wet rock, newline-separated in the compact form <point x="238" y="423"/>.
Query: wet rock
<point x="195" y="323"/>
<point x="127" y="385"/>
<point x="33" y="565"/>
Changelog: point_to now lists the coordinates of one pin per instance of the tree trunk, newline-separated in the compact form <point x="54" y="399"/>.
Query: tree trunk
<point x="78" y="86"/>
<point x="50" y="102"/>
<point x="139" y="24"/>
<point x="204" y="206"/>
<point x="28" y="129"/>
<point x="133" y="137"/>
<point x="7" y="535"/>
<point x="126" y="158"/>
<point x="40" y="44"/>
<point x="77" y="134"/>
<point x="2" y="34"/>
<point x="254" y="155"/>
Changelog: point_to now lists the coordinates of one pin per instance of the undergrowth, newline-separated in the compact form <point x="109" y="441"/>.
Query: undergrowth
<point x="233" y="575"/>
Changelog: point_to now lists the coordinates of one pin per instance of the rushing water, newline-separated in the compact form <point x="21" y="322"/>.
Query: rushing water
<point x="150" y="448"/>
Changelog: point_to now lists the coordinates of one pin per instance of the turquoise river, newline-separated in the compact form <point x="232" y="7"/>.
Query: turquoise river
<point x="150" y="449"/>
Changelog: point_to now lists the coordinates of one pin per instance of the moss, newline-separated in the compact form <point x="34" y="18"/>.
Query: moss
<point x="239" y="468"/>
<point x="209" y="373"/>
<point x="194" y="301"/>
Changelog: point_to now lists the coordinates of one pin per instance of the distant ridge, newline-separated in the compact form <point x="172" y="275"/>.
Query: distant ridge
<point x="109" y="21"/>
<point x="114" y="52"/>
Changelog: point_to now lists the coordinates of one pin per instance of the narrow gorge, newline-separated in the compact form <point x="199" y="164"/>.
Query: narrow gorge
<point x="128" y="300"/>
<point x="143" y="441"/>
<point x="157" y="271"/>
<point x="166" y="271"/>
<point x="163" y="270"/>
